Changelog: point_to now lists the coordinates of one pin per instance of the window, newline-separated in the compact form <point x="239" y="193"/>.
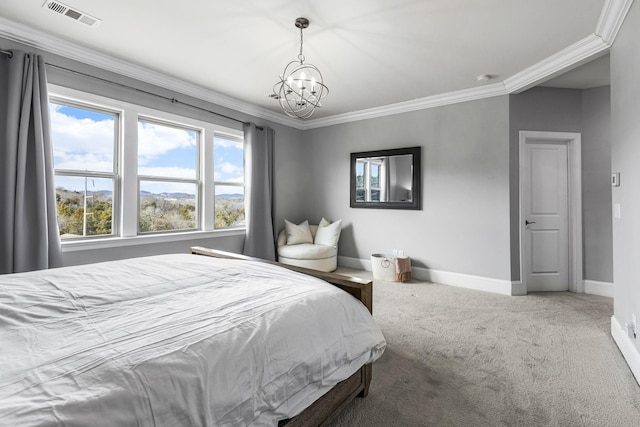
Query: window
<point x="369" y="175"/>
<point x="228" y="175"/>
<point x="168" y="177"/>
<point x="375" y="168"/>
<point x="84" y="159"/>
<point x="127" y="171"/>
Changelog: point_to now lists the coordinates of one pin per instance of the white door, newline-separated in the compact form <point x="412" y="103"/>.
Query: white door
<point x="545" y="230"/>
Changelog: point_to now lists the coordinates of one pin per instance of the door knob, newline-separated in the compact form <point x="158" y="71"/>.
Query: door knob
<point x="527" y="222"/>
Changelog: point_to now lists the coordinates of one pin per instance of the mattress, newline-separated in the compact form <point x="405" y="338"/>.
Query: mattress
<point x="174" y="340"/>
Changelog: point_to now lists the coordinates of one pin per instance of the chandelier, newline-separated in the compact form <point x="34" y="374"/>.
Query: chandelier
<point x="300" y="87"/>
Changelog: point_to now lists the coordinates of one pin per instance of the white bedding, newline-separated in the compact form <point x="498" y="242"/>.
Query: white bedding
<point x="174" y="340"/>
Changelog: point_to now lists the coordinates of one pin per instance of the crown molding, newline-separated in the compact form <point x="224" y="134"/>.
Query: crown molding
<point x="577" y="54"/>
<point x="486" y="91"/>
<point x="592" y="46"/>
<point x="611" y="19"/>
<point x="28" y="36"/>
<point x="597" y="44"/>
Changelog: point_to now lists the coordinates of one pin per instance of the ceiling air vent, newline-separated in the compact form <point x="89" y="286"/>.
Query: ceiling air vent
<point x="75" y="14"/>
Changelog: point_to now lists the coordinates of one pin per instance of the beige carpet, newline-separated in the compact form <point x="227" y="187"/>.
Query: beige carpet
<point x="458" y="357"/>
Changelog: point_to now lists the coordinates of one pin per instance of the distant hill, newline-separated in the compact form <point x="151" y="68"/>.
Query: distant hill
<point x="102" y="194"/>
<point x="167" y="195"/>
<point x="106" y="194"/>
<point x="231" y="196"/>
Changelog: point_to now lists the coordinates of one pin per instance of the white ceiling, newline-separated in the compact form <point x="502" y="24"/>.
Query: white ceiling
<point x="372" y="53"/>
<point x="590" y="75"/>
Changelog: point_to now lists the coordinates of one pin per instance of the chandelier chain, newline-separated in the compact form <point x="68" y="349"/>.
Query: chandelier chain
<point x="300" y="55"/>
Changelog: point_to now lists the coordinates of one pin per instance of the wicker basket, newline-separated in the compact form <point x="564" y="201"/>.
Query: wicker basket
<point x="391" y="268"/>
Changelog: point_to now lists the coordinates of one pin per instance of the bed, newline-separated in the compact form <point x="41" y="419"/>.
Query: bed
<point x="203" y="339"/>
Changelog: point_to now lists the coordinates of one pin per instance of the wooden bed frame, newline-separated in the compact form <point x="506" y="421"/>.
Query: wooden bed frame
<point x="323" y="410"/>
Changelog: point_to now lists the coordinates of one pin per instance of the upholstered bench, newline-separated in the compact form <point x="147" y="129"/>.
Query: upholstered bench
<point x="310" y="246"/>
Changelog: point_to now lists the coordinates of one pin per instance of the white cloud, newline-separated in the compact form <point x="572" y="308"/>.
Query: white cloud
<point x="228" y="143"/>
<point x="229" y="168"/>
<point x="74" y="138"/>
<point x="88" y="144"/>
<point x="85" y="162"/>
<point x="157" y="140"/>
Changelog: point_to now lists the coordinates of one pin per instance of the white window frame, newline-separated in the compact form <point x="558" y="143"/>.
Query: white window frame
<point x="228" y="183"/>
<point x="114" y="175"/>
<point x="371" y="189"/>
<point x="126" y="205"/>
<point x="368" y="187"/>
<point x="196" y="180"/>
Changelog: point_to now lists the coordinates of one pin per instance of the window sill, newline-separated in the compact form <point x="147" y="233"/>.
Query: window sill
<point x="115" y="242"/>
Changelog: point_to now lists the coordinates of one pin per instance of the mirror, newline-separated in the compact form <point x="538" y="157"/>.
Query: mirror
<point x="386" y="179"/>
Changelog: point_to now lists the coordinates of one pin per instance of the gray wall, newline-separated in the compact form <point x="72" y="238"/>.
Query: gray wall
<point x="290" y="179"/>
<point x="468" y="223"/>
<point x="464" y="224"/>
<point x="625" y="154"/>
<point x="463" y="166"/>
<point x="570" y="110"/>
<point x="596" y="185"/>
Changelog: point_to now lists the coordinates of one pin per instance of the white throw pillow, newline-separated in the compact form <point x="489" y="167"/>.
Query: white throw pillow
<point x="297" y="234"/>
<point x="328" y="234"/>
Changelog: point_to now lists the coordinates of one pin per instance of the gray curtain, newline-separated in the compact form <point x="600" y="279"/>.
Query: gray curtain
<point x="258" y="151"/>
<point x="29" y="238"/>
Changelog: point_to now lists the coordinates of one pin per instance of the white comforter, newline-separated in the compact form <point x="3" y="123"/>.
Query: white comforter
<point x="174" y="340"/>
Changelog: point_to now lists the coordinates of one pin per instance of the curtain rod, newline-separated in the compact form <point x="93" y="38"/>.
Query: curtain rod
<point x="172" y="100"/>
<point x="7" y="52"/>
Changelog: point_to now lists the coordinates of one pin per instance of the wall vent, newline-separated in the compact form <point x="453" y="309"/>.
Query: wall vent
<point x="75" y="14"/>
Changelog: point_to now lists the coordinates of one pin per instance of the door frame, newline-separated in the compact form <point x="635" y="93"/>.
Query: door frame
<point x="574" y="195"/>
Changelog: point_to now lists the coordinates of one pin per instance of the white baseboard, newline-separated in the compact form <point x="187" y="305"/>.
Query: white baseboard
<point x="628" y="350"/>
<point x="479" y="283"/>
<point x="518" y="288"/>
<point x="593" y="287"/>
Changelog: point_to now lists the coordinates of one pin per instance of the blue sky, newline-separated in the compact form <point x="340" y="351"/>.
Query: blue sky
<point x="84" y="140"/>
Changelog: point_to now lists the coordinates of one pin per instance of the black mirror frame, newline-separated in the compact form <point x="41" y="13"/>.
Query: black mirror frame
<point x="415" y="204"/>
